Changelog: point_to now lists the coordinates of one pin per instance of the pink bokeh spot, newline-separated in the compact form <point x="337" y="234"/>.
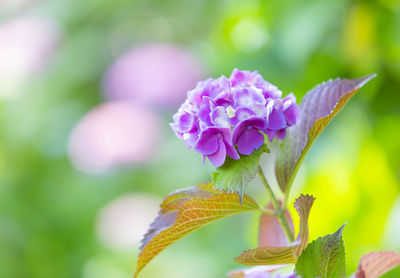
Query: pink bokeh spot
<point x="157" y="74"/>
<point x="122" y="223"/>
<point x="25" y="44"/>
<point x="114" y="134"/>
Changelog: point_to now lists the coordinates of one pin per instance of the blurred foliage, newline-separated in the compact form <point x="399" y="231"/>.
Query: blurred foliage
<point x="49" y="211"/>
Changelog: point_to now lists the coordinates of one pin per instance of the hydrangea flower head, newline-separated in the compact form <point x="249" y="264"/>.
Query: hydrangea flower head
<point x="229" y="116"/>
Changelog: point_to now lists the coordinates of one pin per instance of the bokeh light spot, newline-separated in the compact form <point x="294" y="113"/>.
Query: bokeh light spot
<point x="114" y="134"/>
<point x="248" y="35"/>
<point x="26" y="44"/>
<point x="123" y="222"/>
<point x="157" y="74"/>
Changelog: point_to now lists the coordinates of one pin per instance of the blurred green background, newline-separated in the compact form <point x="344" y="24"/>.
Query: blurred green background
<point x="87" y="89"/>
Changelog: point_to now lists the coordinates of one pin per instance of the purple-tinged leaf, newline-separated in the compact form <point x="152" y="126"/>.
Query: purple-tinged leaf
<point x="169" y="208"/>
<point x="373" y="265"/>
<point x="185" y="211"/>
<point x="318" y="107"/>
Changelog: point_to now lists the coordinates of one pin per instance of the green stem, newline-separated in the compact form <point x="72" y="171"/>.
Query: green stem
<point x="280" y="213"/>
<point x="292" y="177"/>
<point x="268" y="211"/>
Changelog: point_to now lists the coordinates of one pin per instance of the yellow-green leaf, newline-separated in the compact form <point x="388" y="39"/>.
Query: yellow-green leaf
<point x="303" y="206"/>
<point x="318" y="107"/>
<point x="267" y="256"/>
<point x="185" y="211"/>
<point x="285" y="254"/>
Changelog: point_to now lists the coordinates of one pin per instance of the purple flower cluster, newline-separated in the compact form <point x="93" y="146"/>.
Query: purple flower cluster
<point x="222" y="113"/>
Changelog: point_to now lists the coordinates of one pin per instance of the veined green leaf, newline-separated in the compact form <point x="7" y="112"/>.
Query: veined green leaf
<point x="234" y="175"/>
<point x="323" y="258"/>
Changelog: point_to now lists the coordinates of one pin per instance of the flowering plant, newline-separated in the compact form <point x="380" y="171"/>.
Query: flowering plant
<point x="231" y="121"/>
<point x="221" y="113"/>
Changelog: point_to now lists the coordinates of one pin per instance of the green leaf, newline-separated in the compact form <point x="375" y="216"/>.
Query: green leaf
<point x="234" y="175"/>
<point x="323" y="258"/>
<point x="318" y="107"/>
<point x="185" y="211"/>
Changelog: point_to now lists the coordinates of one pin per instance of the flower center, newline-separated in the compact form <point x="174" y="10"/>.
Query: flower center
<point x="230" y="111"/>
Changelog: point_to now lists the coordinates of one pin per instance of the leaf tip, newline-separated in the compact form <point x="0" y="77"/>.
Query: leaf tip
<point x="138" y="269"/>
<point x="304" y="201"/>
<point x="237" y="259"/>
<point x="339" y="232"/>
<point x="365" y="79"/>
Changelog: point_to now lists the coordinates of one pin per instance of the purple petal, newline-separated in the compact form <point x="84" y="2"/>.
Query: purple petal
<point x="226" y="134"/>
<point x="292" y="114"/>
<point x="186" y="122"/>
<point x="259" y="109"/>
<point x="290" y="109"/>
<point x="231" y="152"/>
<point x="190" y="138"/>
<point x="276" y="120"/>
<point x="208" y="139"/>
<point x="246" y="78"/>
<point x="218" y="158"/>
<point x="219" y="117"/>
<point x="288" y="100"/>
<point x="175" y="129"/>
<point x="202" y="90"/>
<point x="241" y="114"/>
<point x="248" y="97"/>
<point x="237" y="77"/>
<point x="254" y="122"/>
<point x="270" y="134"/>
<point x="271" y="91"/>
<point x="224" y="98"/>
<point x="249" y="141"/>
<point x="281" y="134"/>
<point x="242" y="98"/>
<point x="204" y="113"/>
<point x="207" y="143"/>
<point x="218" y="86"/>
